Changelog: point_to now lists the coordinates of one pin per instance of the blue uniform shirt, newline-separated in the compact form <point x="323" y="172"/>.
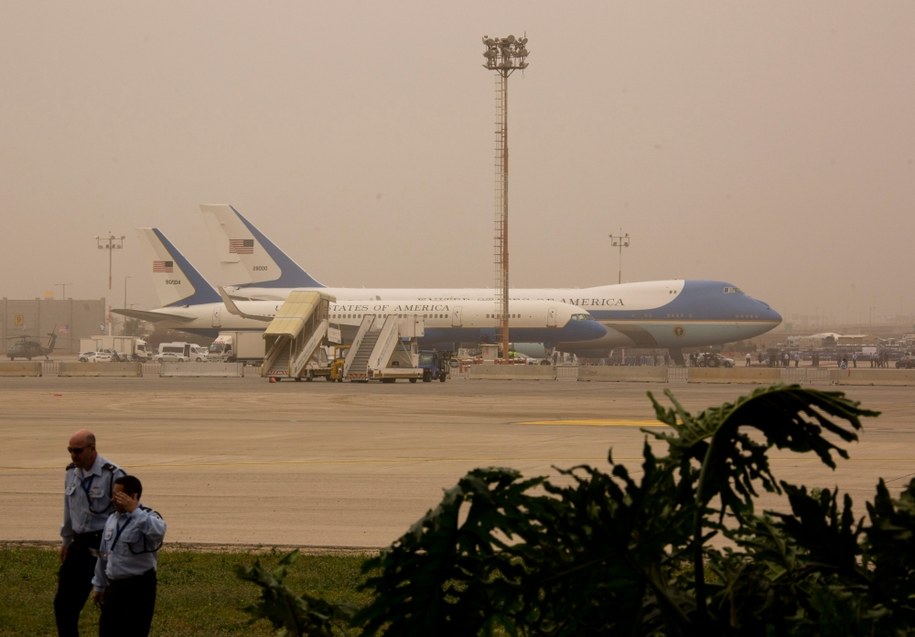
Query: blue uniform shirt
<point x="129" y="545"/>
<point x="87" y="498"/>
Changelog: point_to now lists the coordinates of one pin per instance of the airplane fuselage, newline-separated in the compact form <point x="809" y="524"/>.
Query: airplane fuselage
<point x="652" y="314"/>
<point x="454" y="321"/>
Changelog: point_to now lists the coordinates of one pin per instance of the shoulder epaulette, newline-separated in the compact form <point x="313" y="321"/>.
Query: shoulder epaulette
<point x="110" y="467"/>
<point x="152" y="512"/>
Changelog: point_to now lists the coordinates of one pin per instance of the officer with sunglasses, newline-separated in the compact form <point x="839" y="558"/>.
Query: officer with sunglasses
<point x="88" y="490"/>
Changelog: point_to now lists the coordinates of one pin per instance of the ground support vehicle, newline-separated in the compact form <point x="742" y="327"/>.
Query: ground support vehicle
<point x="185" y="350"/>
<point x="126" y="348"/>
<point x="435" y="365"/>
<point x="391" y="374"/>
<point x="318" y="367"/>
<point x="713" y="359"/>
<point x="240" y="347"/>
<point x="171" y="357"/>
<point x="336" y="368"/>
<point x="329" y="366"/>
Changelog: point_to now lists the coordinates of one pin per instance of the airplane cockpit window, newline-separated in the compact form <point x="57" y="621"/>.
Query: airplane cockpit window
<point x="582" y="317"/>
<point x="730" y="289"/>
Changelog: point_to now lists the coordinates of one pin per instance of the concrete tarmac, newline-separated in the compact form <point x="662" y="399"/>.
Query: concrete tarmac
<point x="244" y="462"/>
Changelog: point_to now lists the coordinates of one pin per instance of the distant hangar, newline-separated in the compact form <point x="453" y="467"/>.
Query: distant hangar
<point x="70" y="319"/>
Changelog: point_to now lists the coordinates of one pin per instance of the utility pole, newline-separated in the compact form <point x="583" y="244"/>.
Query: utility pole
<point x="63" y="290"/>
<point x="109" y="243"/>
<point x="621" y="241"/>
<point x="504" y="56"/>
<point x="124" y="322"/>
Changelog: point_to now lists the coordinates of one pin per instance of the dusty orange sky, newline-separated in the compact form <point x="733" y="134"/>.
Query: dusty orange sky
<point x="771" y="145"/>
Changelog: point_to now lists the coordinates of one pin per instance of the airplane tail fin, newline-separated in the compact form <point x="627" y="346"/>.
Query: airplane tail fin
<point x="265" y="264"/>
<point x="177" y="282"/>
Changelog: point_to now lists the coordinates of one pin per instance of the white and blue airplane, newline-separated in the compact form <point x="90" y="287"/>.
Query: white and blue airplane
<point x="671" y="314"/>
<point x="191" y="304"/>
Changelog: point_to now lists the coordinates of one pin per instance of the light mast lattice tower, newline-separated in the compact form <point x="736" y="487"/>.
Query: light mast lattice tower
<point x="504" y="56"/>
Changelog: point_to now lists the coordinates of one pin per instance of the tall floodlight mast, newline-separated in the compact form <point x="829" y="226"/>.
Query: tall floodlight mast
<point x="109" y="243"/>
<point x="504" y="56"/>
<point x="620" y="241"/>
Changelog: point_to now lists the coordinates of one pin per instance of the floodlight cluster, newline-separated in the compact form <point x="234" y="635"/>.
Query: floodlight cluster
<point x="505" y="54"/>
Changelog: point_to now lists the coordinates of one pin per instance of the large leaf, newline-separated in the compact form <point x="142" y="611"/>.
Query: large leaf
<point x="289" y="613"/>
<point x="719" y="442"/>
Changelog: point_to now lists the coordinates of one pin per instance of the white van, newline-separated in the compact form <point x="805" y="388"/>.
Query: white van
<point x="182" y="351"/>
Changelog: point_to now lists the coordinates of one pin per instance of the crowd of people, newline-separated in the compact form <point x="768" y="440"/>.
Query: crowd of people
<point x="841" y="359"/>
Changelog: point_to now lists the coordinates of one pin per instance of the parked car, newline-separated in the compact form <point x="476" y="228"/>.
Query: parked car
<point x="906" y="362"/>
<point x="96" y="357"/>
<point x="171" y="357"/>
<point x="713" y="359"/>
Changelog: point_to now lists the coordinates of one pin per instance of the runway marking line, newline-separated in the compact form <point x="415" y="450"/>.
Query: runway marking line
<point x="597" y="422"/>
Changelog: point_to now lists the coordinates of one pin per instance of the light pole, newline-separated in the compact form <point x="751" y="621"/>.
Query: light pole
<point x="63" y="290"/>
<point x="621" y="241"/>
<point x="110" y="243"/>
<point x="124" y="329"/>
<point x="504" y="56"/>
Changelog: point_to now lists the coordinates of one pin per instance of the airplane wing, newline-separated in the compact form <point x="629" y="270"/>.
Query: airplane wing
<point x="233" y="308"/>
<point x="153" y="317"/>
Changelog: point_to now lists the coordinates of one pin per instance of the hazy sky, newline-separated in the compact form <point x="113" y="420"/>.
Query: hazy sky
<point x="768" y="144"/>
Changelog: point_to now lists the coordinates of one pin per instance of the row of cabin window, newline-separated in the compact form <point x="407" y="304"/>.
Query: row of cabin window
<point x="356" y="316"/>
<point x="434" y="316"/>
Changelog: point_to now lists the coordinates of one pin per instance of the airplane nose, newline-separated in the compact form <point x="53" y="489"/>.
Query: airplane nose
<point x="587" y="330"/>
<point x="772" y="316"/>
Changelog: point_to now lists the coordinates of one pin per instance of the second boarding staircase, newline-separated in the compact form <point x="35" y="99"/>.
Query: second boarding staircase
<point x="379" y="354"/>
<point x="356" y="366"/>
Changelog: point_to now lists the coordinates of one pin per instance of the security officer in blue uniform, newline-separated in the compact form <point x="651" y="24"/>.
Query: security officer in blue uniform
<point x="124" y="585"/>
<point x="88" y="487"/>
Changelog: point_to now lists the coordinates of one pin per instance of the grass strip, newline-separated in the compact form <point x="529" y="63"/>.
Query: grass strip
<point x="199" y="593"/>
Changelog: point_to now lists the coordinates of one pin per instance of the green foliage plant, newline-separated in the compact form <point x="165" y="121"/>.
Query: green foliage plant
<point x="291" y="614"/>
<point x="677" y="550"/>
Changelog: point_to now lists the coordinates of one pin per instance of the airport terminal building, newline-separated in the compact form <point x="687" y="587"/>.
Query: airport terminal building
<point x="70" y="319"/>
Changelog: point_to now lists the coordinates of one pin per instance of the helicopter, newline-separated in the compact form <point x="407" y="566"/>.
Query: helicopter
<point x="26" y="348"/>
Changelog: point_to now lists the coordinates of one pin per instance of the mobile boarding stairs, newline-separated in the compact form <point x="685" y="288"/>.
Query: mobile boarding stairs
<point x="386" y="353"/>
<point x="296" y="334"/>
<point x="384" y="348"/>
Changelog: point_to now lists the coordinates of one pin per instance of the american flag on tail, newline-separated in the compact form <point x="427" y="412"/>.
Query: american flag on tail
<point x="241" y="246"/>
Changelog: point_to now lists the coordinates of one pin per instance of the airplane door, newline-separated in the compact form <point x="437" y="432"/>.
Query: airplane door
<point x="217" y="319"/>
<point x="551" y="317"/>
<point x="456" y="320"/>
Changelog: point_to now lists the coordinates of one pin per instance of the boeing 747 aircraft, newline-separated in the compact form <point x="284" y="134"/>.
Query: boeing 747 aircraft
<point x="191" y="304"/>
<point x="672" y="314"/>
